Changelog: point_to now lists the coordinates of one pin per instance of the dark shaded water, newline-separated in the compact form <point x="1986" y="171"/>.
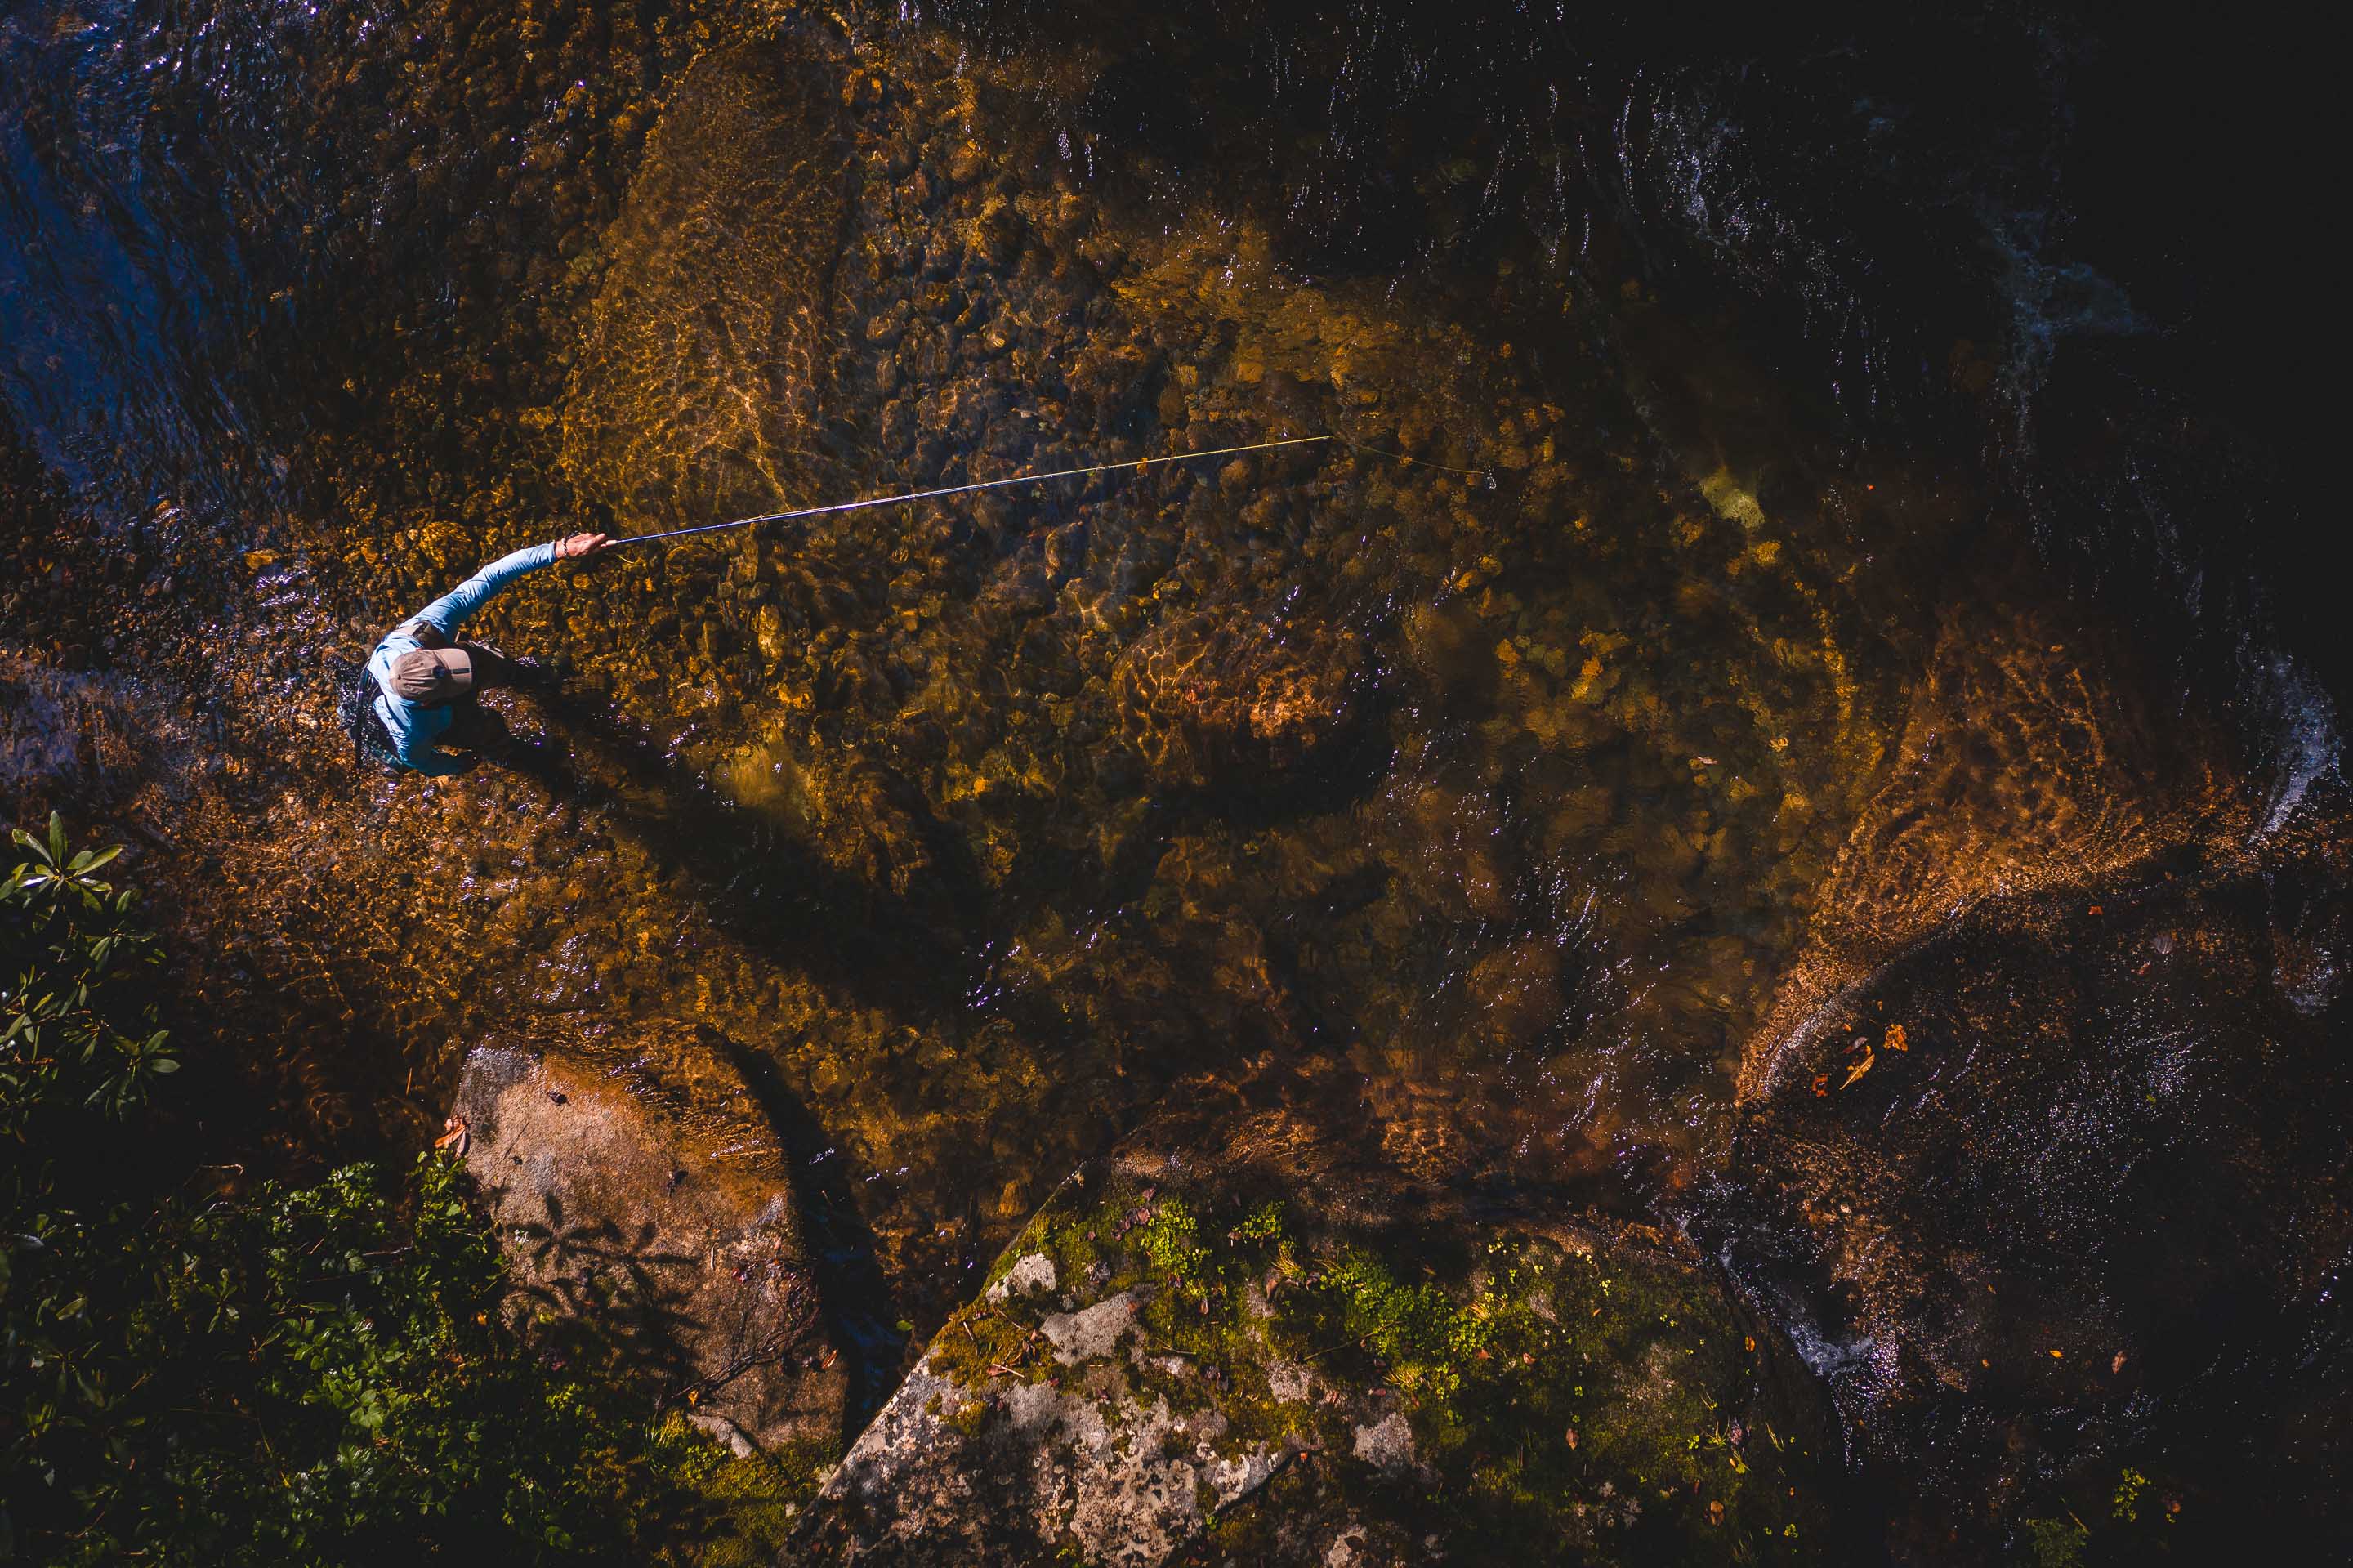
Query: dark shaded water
<point x="1837" y="398"/>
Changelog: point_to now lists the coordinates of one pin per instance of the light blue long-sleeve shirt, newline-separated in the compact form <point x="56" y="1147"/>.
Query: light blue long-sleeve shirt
<point x="414" y="727"/>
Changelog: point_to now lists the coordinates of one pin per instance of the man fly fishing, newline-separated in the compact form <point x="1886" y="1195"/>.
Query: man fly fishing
<point x="417" y="688"/>
<point x="425" y="680"/>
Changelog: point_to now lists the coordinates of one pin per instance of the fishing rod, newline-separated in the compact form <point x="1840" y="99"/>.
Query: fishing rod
<point x="1136" y="467"/>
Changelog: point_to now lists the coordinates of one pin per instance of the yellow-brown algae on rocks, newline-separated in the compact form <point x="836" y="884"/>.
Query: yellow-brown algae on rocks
<point x="694" y="385"/>
<point x="1204" y="697"/>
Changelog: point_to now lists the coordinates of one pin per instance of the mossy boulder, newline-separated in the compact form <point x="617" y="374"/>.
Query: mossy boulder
<point x="1246" y="1339"/>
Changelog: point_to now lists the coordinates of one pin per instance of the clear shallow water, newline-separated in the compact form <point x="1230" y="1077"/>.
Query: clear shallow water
<point x="1507" y="814"/>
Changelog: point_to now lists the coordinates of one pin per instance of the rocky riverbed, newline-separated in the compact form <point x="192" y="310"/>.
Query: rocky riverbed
<point x="1592" y="970"/>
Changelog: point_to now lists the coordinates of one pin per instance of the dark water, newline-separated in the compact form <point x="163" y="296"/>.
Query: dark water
<point x="1813" y="371"/>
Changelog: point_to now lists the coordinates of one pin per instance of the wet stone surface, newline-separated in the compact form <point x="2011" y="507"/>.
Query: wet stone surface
<point x="2029" y="763"/>
<point x="1210" y="699"/>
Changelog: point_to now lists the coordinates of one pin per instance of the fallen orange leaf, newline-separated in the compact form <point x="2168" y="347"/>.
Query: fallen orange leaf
<point x="1895" y="1038"/>
<point x="1859" y="1069"/>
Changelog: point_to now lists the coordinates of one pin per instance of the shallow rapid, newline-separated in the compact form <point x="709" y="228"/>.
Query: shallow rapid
<point x="1573" y="815"/>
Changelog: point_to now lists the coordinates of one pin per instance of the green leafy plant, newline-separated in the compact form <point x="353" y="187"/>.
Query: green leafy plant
<point x="293" y="1374"/>
<point x="1171" y="1240"/>
<point x="76" y="1030"/>
<point x="51" y="871"/>
<point x="1427" y="1341"/>
<point x="2056" y="1542"/>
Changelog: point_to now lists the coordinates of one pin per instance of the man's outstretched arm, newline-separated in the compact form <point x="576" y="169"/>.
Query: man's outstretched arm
<point x="448" y="612"/>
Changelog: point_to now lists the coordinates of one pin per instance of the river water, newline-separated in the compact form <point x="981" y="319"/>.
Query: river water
<point x="1720" y="413"/>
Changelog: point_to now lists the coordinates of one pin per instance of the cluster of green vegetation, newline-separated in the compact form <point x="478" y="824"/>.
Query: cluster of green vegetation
<point x="286" y="1374"/>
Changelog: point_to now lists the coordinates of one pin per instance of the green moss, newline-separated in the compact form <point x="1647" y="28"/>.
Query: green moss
<point x="984" y="1339"/>
<point x="1171" y="1244"/>
<point x="747" y="1506"/>
<point x="1554" y="1394"/>
<point x="1417" y="1332"/>
<point x="969" y="1416"/>
<point x="1554" y="1388"/>
<point x="2056" y="1542"/>
<point x="1263" y="1224"/>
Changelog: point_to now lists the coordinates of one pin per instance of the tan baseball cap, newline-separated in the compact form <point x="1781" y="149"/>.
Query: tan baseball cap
<point x="433" y="675"/>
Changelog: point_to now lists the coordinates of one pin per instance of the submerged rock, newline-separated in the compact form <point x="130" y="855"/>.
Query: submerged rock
<point x="2026" y="763"/>
<point x="643" y="1203"/>
<point x="1268" y="1346"/>
<point x="1205" y="698"/>
<point x="698" y="366"/>
<point x="81" y="737"/>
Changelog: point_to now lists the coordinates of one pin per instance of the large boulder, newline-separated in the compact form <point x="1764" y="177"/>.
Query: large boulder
<point x="644" y="1205"/>
<point x="1243" y="1336"/>
<point x="2057" y="1199"/>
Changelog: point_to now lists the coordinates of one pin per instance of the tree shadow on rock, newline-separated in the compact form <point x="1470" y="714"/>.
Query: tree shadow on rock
<point x="611" y="1296"/>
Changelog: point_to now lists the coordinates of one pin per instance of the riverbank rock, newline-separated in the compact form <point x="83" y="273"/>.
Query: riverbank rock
<point x="644" y="1205"/>
<point x="1243" y="1337"/>
<point x="2058" y="1198"/>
